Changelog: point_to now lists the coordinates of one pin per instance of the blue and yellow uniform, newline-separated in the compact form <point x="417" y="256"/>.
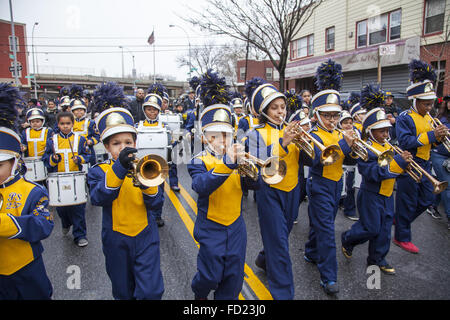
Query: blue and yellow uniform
<point x="86" y="128"/>
<point x="278" y="206"/>
<point x="24" y="222"/>
<point x="324" y="191"/>
<point x="375" y="206"/>
<point x="414" y="134"/>
<point x="245" y="124"/>
<point x="67" y="147"/>
<point x="35" y="141"/>
<point x="219" y="228"/>
<point x="129" y="233"/>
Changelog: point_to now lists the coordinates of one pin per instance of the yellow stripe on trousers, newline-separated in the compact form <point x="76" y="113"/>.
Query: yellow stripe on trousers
<point x="252" y="280"/>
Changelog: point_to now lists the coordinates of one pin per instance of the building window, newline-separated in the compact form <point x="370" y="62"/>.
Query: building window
<point x="11" y="44"/>
<point x="434" y="16"/>
<point x="302" y="47"/>
<point x="439" y="67"/>
<point x="377" y="27"/>
<point x="361" y="34"/>
<point x="242" y="73"/>
<point x="269" y="74"/>
<point x="395" y="21"/>
<point x="329" y="39"/>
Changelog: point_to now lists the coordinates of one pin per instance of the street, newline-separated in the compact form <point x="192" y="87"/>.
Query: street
<point x="79" y="273"/>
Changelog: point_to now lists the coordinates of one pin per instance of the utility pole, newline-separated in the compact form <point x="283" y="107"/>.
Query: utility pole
<point x="13" y="34"/>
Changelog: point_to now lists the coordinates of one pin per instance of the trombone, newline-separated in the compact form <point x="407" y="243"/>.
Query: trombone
<point x="273" y="170"/>
<point x="417" y="172"/>
<point x="360" y="148"/>
<point x="149" y="171"/>
<point x="329" y="155"/>
<point x="446" y="140"/>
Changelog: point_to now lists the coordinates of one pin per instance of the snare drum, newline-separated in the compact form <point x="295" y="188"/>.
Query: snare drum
<point x="358" y="179"/>
<point x="152" y="141"/>
<point x="67" y="188"/>
<point x="100" y="152"/>
<point x="36" y="170"/>
<point x="173" y="121"/>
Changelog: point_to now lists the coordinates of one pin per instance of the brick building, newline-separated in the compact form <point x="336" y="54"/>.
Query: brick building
<point x="262" y="69"/>
<point x="6" y="49"/>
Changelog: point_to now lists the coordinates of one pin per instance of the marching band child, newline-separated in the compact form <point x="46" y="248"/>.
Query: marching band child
<point x="129" y="233"/>
<point x="325" y="186"/>
<point x="375" y="199"/>
<point x="66" y="152"/>
<point x="34" y="138"/>
<point x="220" y="228"/>
<point x="24" y="216"/>
<point x="278" y="203"/>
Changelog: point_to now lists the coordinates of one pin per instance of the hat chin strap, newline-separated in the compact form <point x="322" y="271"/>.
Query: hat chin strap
<point x="319" y="119"/>
<point x="13" y="170"/>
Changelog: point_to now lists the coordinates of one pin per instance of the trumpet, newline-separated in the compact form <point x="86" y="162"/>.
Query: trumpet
<point x="273" y="170"/>
<point x="417" y="172"/>
<point x="360" y="148"/>
<point x="329" y="155"/>
<point x="149" y="171"/>
<point x="446" y="140"/>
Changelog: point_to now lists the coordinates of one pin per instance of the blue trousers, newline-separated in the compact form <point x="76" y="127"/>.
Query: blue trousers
<point x="173" y="175"/>
<point x="324" y="195"/>
<point x="442" y="175"/>
<point x="411" y="200"/>
<point x="349" y="200"/>
<point x="133" y="264"/>
<point x="277" y="211"/>
<point x="157" y="205"/>
<point x="374" y="225"/>
<point x="29" y="283"/>
<point x="221" y="258"/>
<point x="74" y="216"/>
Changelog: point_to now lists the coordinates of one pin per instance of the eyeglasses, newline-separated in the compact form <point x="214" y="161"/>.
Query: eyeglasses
<point x="328" y="116"/>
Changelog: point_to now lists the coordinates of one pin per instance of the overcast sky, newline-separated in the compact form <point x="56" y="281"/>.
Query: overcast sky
<point x="75" y="26"/>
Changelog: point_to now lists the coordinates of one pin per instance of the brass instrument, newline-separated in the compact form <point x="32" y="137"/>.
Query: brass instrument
<point x="360" y="148"/>
<point x="273" y="170"/>
<point x="149" y="171"/>
<point x="417" y="172"/>
<point x="329" y="155"/>
<point x="446" y="140"/>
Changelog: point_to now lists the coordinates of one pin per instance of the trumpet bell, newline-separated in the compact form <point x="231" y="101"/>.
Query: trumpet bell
<point x="330" y="155"/>
<point x="385" y="158"/>
<point x="151" y="170"/>
<point x="273" y="170"/>
<point x="439" y="187"/>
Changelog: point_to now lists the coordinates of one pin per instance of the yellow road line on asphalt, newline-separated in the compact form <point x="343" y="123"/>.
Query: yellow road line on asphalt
<point x="253" y="281"/>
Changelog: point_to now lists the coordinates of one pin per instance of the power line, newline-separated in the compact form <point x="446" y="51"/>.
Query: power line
<point x="112" y="46"/>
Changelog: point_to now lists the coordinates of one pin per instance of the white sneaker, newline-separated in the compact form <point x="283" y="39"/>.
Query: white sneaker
<point x="82" y="242"/>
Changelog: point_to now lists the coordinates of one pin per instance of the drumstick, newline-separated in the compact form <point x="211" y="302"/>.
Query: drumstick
<point x="71" y="149"/>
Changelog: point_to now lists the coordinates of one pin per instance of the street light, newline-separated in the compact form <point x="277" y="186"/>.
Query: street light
<point x="133" y="71"/>
<point x="189" y="42"/>
<point x="34" y="60"/>
<point x="122" y="62"/>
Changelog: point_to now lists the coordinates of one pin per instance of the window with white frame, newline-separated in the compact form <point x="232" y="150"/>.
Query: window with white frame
<point x="395" y="22"/>
<point x="269" y="74"/>
<point x="302" y="47"/>
<point x="361" y="34"/>
<point x="329" y="39"/>
<point x="377" y="29"/>
<point x="434" y="16"/>
<point x="242" y="73"/>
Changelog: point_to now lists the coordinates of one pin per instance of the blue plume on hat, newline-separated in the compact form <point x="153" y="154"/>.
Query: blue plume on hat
<point x="372" y="97"/>
<point x="64" y="91"/>
<point x="252" y="84"/>
<point x="354" y="98"/>
<point x="420" y="71"/>
<point x="76" y="91"/>
<point x="109" y="95"/>
<point x="213" y="89"/>
<point x="194" y="82"/>
<point x="329" y="76"/>
<point x="157" y="88"/>
<point x="9" y="99"/>
<point x="293" y="101"/>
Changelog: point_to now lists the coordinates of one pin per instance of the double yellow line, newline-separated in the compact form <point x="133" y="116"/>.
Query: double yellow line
<point x="250" y="278"/>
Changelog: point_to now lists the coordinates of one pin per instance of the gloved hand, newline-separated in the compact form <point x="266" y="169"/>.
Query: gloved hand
<point x="56" y="158"/>
<point x="124" y="157"/>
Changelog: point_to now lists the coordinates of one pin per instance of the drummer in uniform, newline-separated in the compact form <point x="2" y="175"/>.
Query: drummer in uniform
<point x="66" y="152"/>
<point x="85" y="127"/>
<point x="34" y="138"/>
